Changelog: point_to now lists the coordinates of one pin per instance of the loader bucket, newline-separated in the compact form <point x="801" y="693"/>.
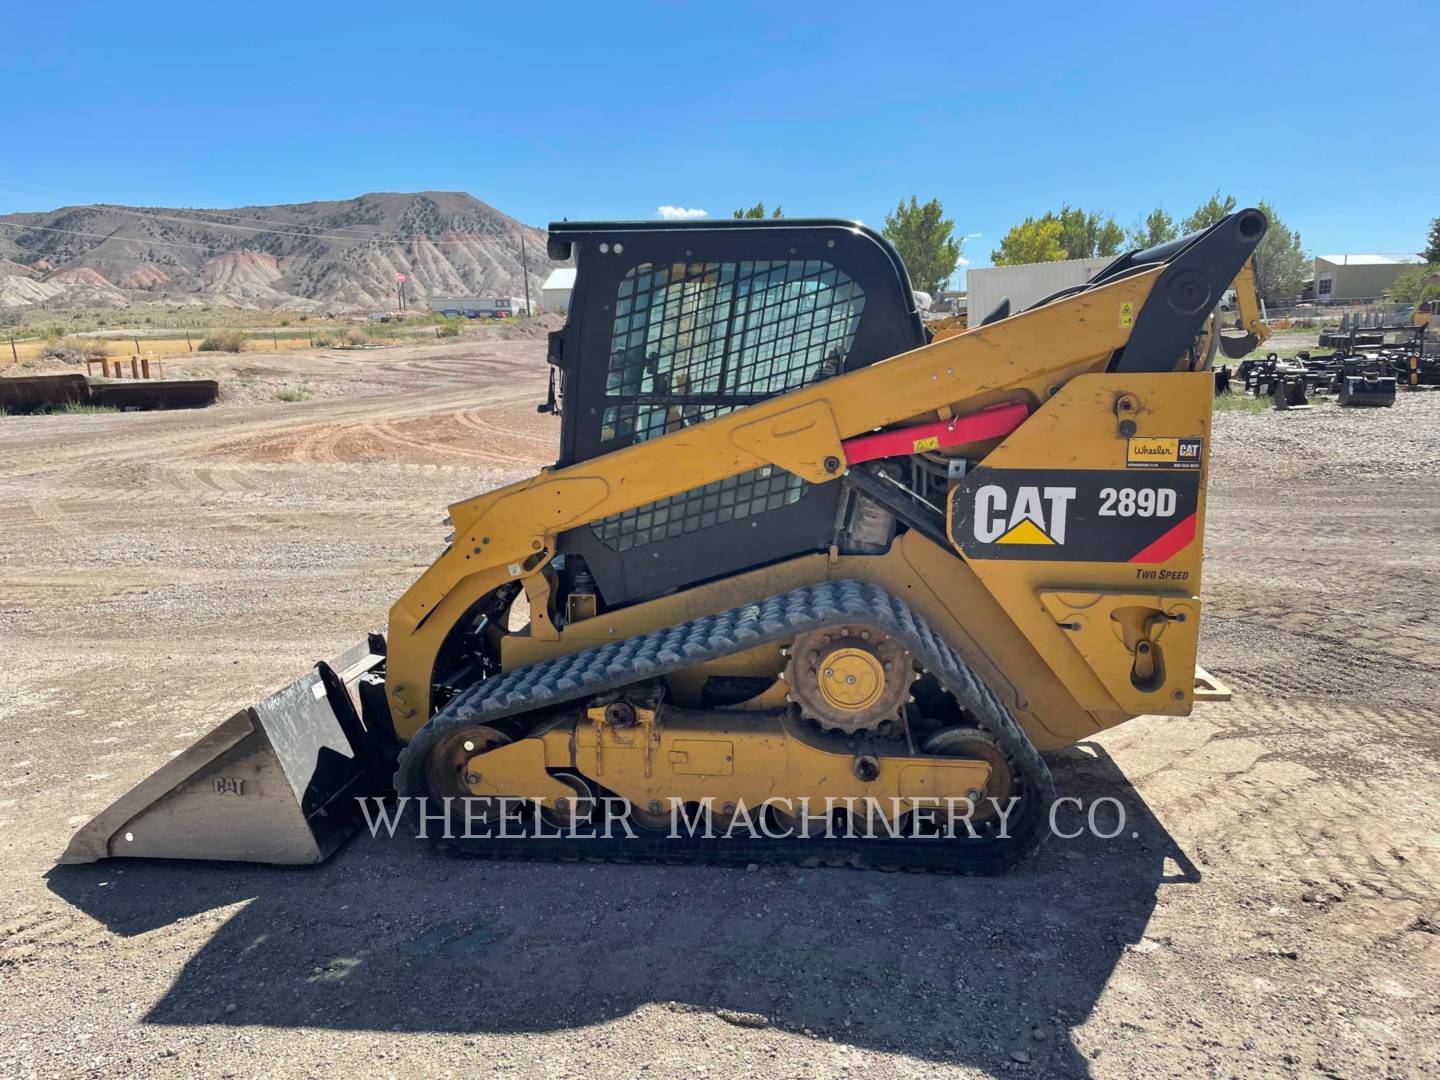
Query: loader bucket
<point x="275" y="783"/>
<point x="1360" y="390"/>
<point x="1237" y="343"/>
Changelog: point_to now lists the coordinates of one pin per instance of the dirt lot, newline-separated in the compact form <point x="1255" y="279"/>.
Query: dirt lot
<point x="1277" y="915"/>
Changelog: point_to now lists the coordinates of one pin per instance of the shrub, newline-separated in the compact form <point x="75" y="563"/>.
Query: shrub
<point x="293" y="393"/>
<point x="1416" y="285"/>
<point x="72" y="350"/>
<point x="448" y="327"/>
<point x="355" y="336"/>
<point x="223" y="341"/>
<point x="323" y="341"/>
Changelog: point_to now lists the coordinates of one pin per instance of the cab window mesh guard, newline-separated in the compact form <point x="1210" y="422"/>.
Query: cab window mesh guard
<point x="692" y="341"/>
<point x="731" y="499"/>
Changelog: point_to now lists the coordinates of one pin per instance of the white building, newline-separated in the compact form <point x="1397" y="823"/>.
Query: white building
<point x="1025" y="284"/>
<point x="1354" y="278"/>
<point x="555" y="293"/>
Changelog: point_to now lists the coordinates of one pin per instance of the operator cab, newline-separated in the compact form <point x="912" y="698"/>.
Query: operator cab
<point x="674" y="323"/>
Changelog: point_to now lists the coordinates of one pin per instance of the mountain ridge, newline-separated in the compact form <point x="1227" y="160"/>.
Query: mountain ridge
<point x="331" y="255"/>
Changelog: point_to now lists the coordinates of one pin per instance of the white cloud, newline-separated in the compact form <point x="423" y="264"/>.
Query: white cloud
<point x="962" y="261"/>
<point x="678" y="213"/>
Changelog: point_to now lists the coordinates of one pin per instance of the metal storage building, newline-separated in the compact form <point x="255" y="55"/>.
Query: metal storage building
<point x="555" y="293"/>
<point x="1025" y="283"/>
<point x="1349" y="278"/>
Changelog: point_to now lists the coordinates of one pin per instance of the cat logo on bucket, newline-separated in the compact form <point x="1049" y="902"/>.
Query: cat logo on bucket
<point x="1035" y="515"/>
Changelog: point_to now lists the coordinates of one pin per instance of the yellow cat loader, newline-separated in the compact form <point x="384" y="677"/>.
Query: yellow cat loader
<point x="799" y="571"/>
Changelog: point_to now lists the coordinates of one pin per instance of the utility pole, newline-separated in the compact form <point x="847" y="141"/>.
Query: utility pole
<point x="525" y="268"/>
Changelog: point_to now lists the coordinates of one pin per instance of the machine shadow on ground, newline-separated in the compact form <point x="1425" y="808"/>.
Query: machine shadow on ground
<point x="391" y="935"/>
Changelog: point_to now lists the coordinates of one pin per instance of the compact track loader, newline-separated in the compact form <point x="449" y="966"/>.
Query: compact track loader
<point x="798" y="569"/>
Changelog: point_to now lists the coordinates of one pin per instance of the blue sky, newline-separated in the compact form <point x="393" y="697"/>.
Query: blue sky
<point x="611" y="110"/>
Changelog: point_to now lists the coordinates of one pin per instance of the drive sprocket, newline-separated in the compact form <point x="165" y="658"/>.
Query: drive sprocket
<point x="850" y="679"/>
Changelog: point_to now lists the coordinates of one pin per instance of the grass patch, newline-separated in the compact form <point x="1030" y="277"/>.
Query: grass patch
<point x="72" y="408"/>
<point x="293" y="393"/>
<point x="449" y="327"/>
<point x="1242" y="403"/>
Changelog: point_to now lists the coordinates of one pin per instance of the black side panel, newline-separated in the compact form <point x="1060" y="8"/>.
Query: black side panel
<point x="673" y="324"/>
<point x="635" y="574"/>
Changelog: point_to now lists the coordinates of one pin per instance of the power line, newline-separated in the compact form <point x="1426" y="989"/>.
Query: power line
<point x="105" y="236"/>
<point x="220" y="247"/>
<point x="200" y="221"/>
<point x="284" y="232"/>
<point x="214" y="213"/>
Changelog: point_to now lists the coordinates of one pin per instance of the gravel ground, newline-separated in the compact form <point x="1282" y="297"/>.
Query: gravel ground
<point x="1276" y="914"/>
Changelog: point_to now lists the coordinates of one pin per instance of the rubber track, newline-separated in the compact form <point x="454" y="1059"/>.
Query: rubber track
<point x="779" y="618"/>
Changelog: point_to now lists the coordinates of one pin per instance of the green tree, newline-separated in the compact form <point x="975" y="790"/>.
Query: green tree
<point x="758" y="211"/>
<point x="1209" y="212"/>
<point x="922" y="234"/>
<point x="1087" y="234"/>
<point x="1431" y="254"/>
<point x="1076" y="234"/>
<point x="1033" y="240"/>
<point x="1417" y="284"/>
<point x="1157" y="227"/>
<point x="1280" y="261"/>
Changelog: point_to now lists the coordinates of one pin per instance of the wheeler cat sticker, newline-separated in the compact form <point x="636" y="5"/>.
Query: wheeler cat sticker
<point x="1172" y="453"/>
<point x="1074" y="515"/>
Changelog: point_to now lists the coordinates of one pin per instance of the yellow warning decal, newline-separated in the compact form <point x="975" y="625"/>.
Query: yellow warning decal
<point x="1025" y="532"/>
<point x="931" y="443"/>
<point x="1127" y="314"/>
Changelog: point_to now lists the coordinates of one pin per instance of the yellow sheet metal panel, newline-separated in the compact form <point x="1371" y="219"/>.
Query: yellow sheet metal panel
<point x="1101" y="493"/>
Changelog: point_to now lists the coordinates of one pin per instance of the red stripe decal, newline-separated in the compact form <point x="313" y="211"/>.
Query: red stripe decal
<point x="995" y="421"/>
<point x="1169" y="545"/>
